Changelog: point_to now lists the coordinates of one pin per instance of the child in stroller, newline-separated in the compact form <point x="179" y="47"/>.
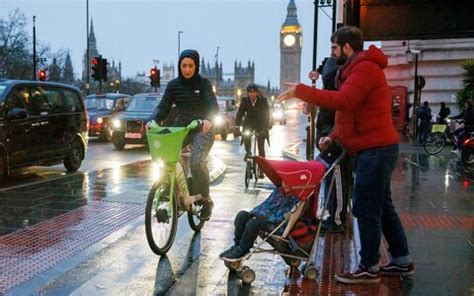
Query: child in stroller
<point x="291" y="203"/>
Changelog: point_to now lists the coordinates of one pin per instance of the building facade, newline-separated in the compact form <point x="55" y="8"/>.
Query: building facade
<point x="439" y="62"/>
<point x="291" y="40"/>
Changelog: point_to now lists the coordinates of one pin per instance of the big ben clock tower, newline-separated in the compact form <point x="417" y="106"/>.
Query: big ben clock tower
<point x="291" y="39"/>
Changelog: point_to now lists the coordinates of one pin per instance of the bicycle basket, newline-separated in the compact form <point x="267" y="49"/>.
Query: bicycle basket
<point x="165" y="142"/>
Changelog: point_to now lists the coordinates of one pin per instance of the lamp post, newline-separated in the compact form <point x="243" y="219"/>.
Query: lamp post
<point x="88" y="59"/>
<point x="416" y="94"/>
<point x="34" y="48"/>
<point x="310" y="129"/>
<point x="179" y="43"/>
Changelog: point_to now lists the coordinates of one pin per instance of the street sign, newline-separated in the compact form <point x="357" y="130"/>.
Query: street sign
<point x="313" y="75"/>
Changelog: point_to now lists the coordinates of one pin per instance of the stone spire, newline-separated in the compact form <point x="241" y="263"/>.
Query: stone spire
<point x="291" y="16"/>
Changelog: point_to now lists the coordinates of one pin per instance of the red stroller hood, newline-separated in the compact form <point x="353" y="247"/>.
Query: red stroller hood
<point x="303" y="177"/>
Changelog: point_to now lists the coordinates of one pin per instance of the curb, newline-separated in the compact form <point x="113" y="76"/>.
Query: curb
<point x="218" y="168"/>
<point x="289" y="152"/>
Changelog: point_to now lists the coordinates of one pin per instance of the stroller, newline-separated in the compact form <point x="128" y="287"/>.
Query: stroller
<point x="304" y="180"/>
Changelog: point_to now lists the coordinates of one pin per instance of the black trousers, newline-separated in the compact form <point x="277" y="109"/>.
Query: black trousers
<point x="260" y="145"/>
<point x="247" y="227"/>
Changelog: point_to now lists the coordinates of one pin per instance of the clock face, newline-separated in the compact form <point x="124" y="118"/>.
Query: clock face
<point x="289" y="40"/>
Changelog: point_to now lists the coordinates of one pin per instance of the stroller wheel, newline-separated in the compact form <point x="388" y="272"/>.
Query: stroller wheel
<point x="293" y="262"/>
<point x="247" y="275"/>
<point x="310" y="272"/>
<point x="232" y="265"/>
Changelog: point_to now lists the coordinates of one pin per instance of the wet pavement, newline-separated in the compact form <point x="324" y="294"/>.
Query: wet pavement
<point x="83" y="234"/>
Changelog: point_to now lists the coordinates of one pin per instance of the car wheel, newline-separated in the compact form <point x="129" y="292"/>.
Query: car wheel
<point x="118" y="141"/>
<point x="107" y="133"/>
<point x="75" y="155"/>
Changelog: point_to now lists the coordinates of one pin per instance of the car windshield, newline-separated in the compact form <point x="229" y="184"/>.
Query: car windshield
<point x="2" y="89"/>
<point x="143" y="104"/>
<point x="99" y="104"/>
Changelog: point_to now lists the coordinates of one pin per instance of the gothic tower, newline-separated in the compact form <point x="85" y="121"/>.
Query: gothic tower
<point x="93" y="52"/>
<point x="291" y="41"/>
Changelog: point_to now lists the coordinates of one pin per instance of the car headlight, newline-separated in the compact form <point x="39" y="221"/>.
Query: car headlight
<point x="99" y="120"/>
<point x="117" y="124"/>
<point x="218" y="120"/>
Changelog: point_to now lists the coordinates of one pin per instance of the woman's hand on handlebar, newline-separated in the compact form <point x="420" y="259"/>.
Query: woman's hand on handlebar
<point x="206" y="126"/>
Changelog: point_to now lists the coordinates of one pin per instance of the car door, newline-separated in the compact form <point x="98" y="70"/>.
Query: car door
<point x="41" y="132"/>
<point x="15" y="129"/>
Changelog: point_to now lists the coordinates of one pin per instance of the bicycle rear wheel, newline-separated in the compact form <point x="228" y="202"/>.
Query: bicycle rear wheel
<point x="161" y="216"/>
<point x="467" y="155"/>
<point x="434" y="143"/>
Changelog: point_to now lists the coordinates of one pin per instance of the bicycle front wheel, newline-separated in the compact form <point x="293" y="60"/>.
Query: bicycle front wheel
<point x="248" y="174"/>
<point x="161" y="216"/>
<point x="194" y="222"/>
<point x="434" y="143"/>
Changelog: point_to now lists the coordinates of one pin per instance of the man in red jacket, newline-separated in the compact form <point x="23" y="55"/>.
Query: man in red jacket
<point x="363" y="125"/>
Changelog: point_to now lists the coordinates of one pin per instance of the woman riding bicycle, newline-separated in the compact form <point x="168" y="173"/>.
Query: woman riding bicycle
<point x="194" y="99"/>
<point x="467" y="115"/>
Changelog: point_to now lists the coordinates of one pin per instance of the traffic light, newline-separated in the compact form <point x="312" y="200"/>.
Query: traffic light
<point x="103" y="69"/>
<point x="96" y="68"/>
<point x="99" y="68"/>
<point x="155" y="77"/>
<point x="42" y="74"/>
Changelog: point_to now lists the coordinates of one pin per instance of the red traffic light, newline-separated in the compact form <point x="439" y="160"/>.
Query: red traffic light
<point x="153" y="71"/>
<point x="95" y="61"/>
<point x="42" y="75"/>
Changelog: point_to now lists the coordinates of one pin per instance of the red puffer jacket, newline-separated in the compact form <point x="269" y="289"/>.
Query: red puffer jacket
<point x="363" y="103"/>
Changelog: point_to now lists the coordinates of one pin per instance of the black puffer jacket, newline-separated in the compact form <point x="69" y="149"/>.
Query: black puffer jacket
<point x="194" y="97"/>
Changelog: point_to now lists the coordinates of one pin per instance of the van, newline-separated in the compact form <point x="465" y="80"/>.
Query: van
<point x="41" y="123"/>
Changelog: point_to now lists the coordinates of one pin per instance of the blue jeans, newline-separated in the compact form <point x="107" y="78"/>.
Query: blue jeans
<point x="201" y="146"/>
<point x="373" y="208"/>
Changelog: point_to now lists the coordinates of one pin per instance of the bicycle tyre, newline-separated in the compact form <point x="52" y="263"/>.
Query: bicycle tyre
<point x="160" y="192"/>
<point x="194" y="222"/>
<point x="467" y="156"/>
<point x="248" y="175"/>
<point x="434" y="143"/>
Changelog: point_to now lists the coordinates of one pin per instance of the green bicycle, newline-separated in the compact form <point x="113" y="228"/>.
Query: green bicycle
<point x="169" y="197"/>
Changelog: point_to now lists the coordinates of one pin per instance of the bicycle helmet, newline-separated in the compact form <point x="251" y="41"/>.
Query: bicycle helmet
<point x="252" y="86"/>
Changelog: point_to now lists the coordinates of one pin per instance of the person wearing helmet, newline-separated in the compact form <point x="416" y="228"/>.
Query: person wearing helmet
<point x="194" y="99"/>
<point x="257" y="118"/>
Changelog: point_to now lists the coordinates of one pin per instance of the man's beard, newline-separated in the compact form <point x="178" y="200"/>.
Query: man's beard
<point x="341" y="60"/>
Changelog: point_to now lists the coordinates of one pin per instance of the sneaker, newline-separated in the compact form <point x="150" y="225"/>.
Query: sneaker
<point x="392" y="269"/>
<point x="227" y="252"/>
<point x="235" y="255"/>
<point x="360" y="276"/>
<point x="206" y="210"/>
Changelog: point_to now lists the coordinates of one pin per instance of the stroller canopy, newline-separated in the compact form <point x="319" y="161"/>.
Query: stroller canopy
<point x="302" y="177"/>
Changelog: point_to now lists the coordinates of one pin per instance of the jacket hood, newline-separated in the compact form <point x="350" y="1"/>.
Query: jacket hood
<point x="189" y="53"/>
<point x="375" y="55"/>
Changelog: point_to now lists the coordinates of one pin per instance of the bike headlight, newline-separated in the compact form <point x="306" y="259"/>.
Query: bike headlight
<point x="448" y="120"/>
<point x="116" y="123"/>
<point x="247" y="133"/>
<point x="99" y="120"/>
<point x="218" y="120"/>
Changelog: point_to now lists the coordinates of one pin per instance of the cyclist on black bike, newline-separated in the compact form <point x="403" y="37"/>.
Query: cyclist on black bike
<point x="257" y="118"/>
<point x="194" y="99"/>
<point x="468" y="116"/>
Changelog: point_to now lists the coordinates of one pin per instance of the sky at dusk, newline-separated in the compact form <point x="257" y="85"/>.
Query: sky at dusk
<point x="138" y="32"/>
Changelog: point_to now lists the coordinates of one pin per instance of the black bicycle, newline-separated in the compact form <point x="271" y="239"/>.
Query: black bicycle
<point x="251" y="167"/>
<point x="437" y="139"/>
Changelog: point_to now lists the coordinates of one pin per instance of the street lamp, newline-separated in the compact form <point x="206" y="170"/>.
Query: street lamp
<point x="217" y="69"/>
<point x="310" y="129"/>
<point x="34" y="48"/>
<point x="416" y="91"/>
<point x="88" y="63"/>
